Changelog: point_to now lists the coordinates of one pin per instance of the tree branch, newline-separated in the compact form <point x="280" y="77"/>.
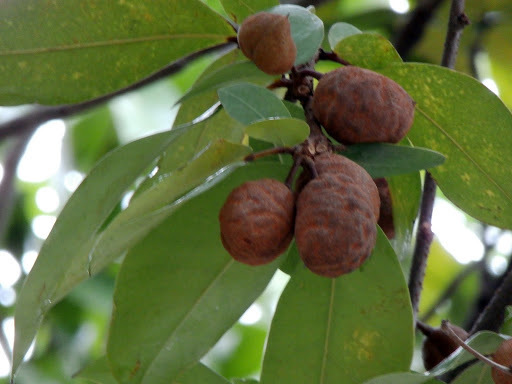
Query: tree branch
<point x="41" y="114"/>
<point x="458" y="20"/>
<point x="412" y="32"/>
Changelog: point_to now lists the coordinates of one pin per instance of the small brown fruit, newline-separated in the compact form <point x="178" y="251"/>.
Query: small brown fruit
<point x="503" y="356"/>
<point x="386" y="208"/>
<point x="335" y="228"/>
<point x="256" y="221"/>
<point x="266" y="39"/>
<point x="356" y="105"/>
<point x="438" y="344"/>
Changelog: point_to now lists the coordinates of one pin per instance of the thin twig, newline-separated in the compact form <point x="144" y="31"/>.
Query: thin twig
<point x="331" y="56"/>
<point x="445" y="326"/>
<point x="450" y="290"/>
<point x="424" y="237"/>
<point x="412" y="32"/>
<point x="269" y="152"/>
<point x="494" y="313"/>
<point x="41" y="114"/>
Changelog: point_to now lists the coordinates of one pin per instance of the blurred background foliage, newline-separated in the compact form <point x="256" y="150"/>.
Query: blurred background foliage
<point x="467" y="258"/>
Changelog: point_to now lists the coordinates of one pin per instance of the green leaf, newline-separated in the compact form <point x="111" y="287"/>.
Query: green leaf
<point x="95" y="52"/>
<point x="382" y="160"/>
<point x="403" y="378"/>
<point x="281" y="132"/>
<point x="405" y="193"/>
<point x="307" y="30"/>
<point x="296" y="111"/>
<point x="238" y="10"/>
<point x="339" y="31"/>
<point x="171" y="290"/>
<point x="458" y="116"/>
<point x="342" y="330"/>
<point x="249" y="103"/>
<point x="479" y="373"/>
<point x="484" y="342"/>
<point x="97" y="372"/>
<point x="227" y="75"/>
<point x="63" y="260"/>
<point x="367" y="50"/>
<point x="155" y="204"/>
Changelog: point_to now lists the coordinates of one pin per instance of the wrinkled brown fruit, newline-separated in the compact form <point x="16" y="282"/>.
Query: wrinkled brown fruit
<point x="386" y="208"/>
<point x="438" y="345"/>
<point x="266" y="39"/>
<point x="503" y="356"/>
<point x="335" y="227"/>
<point x="256" y="221"/>
<point x="356" y="105"/>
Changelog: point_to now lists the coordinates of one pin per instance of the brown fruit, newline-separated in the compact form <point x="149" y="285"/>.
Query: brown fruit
<point x="356" y="105"/>
<point x="386" y="208"/>
<point x="503" y="356"/>
<point x="335" y="228"/>
<point x="266" y="39"/>
<point x="438" y="345"/>
<point x="256" y="221"/>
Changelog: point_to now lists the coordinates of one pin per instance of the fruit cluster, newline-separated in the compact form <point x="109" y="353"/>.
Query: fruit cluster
<point x="336" y="206"/>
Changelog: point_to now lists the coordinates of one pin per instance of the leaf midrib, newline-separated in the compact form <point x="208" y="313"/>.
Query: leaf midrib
<point x="113" y="42"/>
<point x="327" y="333"/>
<point x="184" y="319"/>
<point x="466" y="154"/>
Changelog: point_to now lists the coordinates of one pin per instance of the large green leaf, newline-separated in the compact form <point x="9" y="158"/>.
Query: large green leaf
<point x="88" y="48"/>
<point x="178" y="290"/>
<point x="99" y="372"/>
<point x="306" y="28"/>
<point x="249" y="103"/>
<point x="380" y="159"/>
<point x="459" y="117"/>
<point x="342" y="330"/>
<point x="155" y="204"/>
<point x="238" y="10"/>
<point x="339" y="31"/>
<point x="367" y="50"/>
<point x="403" y="378"/>
<point x="63" y="259"/>
<point x="280" y="132"/>
<point x="479" y="373"/>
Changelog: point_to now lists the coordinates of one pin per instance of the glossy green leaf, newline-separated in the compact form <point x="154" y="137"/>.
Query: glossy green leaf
<point x="155" y="204"/>
<point x="405" y="193"/>
<point x="339" y="31"/>
<point x="296" y="111"/>
<point x="479" y="373"/>
<point x="280" y="132"/>
<point x="91" y="48"/>
<point x="367" y="50"/>
<point x="245" y="381"/>
<point x="380" y="159"/>
<point x="403" y="378"/>
<point x="171" y="290"/>
<point x="230" y="74"/>
<point x="97" y="372"/>
<point x="249" y="103"/>
<point x="343" y="330"/>
<point x="238" y="10"/>
<point x="307" y="30"/>
<point x="460" y="118"/>
<point x="484" y="342"/>
<point x="63" y="259"/>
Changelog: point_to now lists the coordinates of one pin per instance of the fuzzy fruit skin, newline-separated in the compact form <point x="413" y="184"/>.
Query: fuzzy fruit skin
<point x="356" y="105"/>
<point x="256" y="221"/>
<point x="335" y="228"/>
<point x="503" y="356"/>
<point x="438" y="345"/>
<point x="266" y="39"/>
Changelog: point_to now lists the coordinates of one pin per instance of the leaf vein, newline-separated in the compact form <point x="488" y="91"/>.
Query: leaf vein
<point x="327" y="332"/>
